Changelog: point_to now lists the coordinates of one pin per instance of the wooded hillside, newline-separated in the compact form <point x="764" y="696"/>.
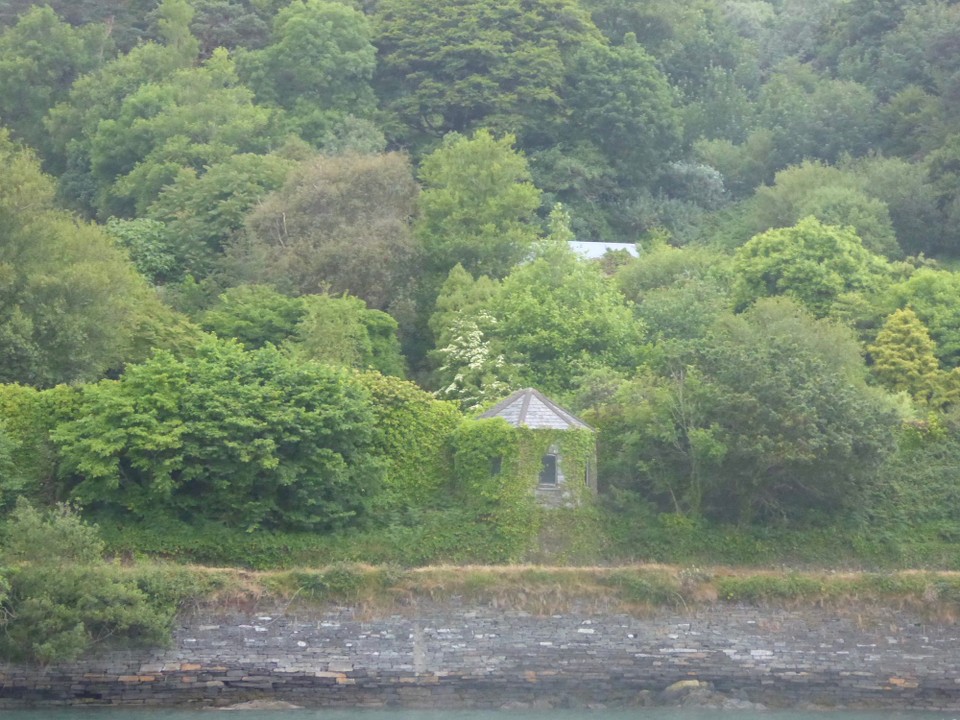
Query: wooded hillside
<point x="260" y="259"/>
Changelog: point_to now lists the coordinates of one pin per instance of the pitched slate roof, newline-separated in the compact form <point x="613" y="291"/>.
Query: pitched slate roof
<point x="534" y="410"/>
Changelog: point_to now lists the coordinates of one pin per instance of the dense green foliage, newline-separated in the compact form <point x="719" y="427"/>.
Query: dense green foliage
<point x="60" y="598"/>
<point x="246" y="438"/>
<point x="229" y="228"/>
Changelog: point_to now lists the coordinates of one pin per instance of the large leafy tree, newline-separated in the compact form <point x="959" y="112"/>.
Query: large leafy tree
<point x="203" y="212"/>
<point x="253" y="439"/>
<point x="454" y="67"/>
<point x="318" y="66"/>
<point x="254" y="315"/>
<point x="339" y="331"/>
<point x="468" y="368"/>
<point x="812" y="116"/>
<point x="561" y="317"/>
<point x="686" y="38"/>
<point x="620" y="125"/>
<point x="71" y="304"/>
<point x="768" y="417"/>
<point x="677" y="292"/>
<point x="619" y="100"/>
<point x="95" y="97"/>
<point x="550" y="322"/>
<point x="932" y="295"/>
<point x="40" y="57"/>
<point x="829" y="194"/>
<point x="232" y="24"/>
<point x="339" y="224"/>
<point x="910" y="198"/>
<point x="99" y="97"/>
<point x="344" y="332"/>
<point x="199" y="117"/>
<point x="813" y="263"/>
<point x="478" y="206"/>
<point x="129" y="20"/>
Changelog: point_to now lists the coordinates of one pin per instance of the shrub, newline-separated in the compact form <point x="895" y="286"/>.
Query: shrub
<point x="251" y="439"/>
<point x="60" y="598"/>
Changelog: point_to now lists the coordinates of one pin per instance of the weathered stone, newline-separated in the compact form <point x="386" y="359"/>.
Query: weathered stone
<point x="465" y="656"/>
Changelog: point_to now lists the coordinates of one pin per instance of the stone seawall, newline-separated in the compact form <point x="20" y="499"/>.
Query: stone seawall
<point x="479" y="657"/>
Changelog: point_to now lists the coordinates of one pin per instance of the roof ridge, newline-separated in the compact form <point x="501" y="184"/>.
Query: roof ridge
<point x="523" y="398"/>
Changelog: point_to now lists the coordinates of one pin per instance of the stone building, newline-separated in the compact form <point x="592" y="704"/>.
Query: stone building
<point x="566" y="444"/>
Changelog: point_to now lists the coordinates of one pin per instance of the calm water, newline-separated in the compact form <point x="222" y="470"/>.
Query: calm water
<point x="640" y="714"/>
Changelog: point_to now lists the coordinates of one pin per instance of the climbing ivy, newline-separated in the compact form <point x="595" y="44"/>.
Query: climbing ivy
<point x="412" y="433"/>
<point x="496" y="467"/>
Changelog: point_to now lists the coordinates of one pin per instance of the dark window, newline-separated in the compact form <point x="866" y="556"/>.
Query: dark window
<point x="496" y="464"/>
<point x="548" y="470"/>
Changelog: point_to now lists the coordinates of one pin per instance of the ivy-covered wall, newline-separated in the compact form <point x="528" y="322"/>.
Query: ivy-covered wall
<point x="497" y="468"/>
<point x="412" y="434"/>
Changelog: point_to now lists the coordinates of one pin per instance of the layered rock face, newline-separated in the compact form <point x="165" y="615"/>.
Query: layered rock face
<point x="451" y="655"/>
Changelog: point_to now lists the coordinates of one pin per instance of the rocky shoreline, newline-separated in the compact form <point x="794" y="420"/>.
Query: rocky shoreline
<point x="448" y="655"/>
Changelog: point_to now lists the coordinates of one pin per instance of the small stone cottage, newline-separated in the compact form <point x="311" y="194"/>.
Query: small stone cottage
<point x="566" y="444"/>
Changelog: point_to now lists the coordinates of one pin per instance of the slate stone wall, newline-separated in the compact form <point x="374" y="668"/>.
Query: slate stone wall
<point x="479" y="657"/>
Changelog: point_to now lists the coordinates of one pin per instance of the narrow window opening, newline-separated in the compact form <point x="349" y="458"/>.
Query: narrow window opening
<point x="496" y="465"/>
<point x="548" y="470"/>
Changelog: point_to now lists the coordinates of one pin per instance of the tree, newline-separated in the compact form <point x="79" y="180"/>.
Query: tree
<point x="343" y="332"/>
<point x="943" y="170"/>
<point x="128" y="20"/>
<point x="28" y="459"/>
<point x="620" y="123"/>
<point x="199" y="117"/>
<point x="677" y="293"/>
<point x="559" y="317"/>
<point x="468" y="368"/>
<point x="71" y="304"/>
<point x="910" y="200"/>
<point x="318" y="66"/>
<point x="202" y="213"/>
<point x="853" y="42"/>
<point x="620" y="101"/>
<point x="478" y="206"/>
<point x="743" y="167"/>
<point x="829" y="194"/>
<point x="810" y="262"/>
<point x="456" y="67"/>
<point x="917" y="52"/>
<point x="816" y="117"/>
<point x="147" y="243"/>
<point x="250" y="439"/>
<point x="931" y="294"/>
<point x="83" y="129"/>
<point x="95" y="97"/>
<point x="688" y="39"/>
<point x="231" y="24"/>
<point x="550" y="321"/>
<point x="40" y="57"/>
<point x="254" y="315"/>
<point x="768" y="417"/>
<point x="903" y="357"/>
<point x="339" y="224"/>
<point x="63" y="597"/>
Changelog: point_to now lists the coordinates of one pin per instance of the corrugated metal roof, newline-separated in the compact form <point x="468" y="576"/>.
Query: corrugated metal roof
<point x="535" y="410"/>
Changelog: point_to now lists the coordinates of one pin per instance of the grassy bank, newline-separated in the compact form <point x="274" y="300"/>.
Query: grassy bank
<point x="548" y="590"/>
<point x="593" y="537"/>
